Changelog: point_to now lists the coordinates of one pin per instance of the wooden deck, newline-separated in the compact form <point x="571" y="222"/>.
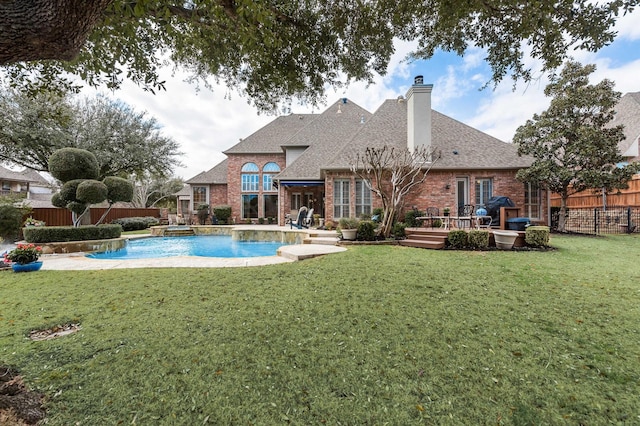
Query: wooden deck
<point x="435" y="238"/>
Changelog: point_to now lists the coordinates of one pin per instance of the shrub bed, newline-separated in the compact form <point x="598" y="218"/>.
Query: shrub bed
<point x="52" y="234"/>
<point x="537" y="236"/>
<point x="478" y="239"/>
<point x="136" y="223"/>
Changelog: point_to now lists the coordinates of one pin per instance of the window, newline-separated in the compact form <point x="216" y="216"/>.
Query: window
<point x="270" y="206"/>
<point x="363" y="198"/>
<point x="250" y="206"/>
<point x="484" y="190"/>
<point x="269" y="170"/>
<point x="340" y="198"/>
<point x="250" y="178"/>
<point x="199" y="196"/>
<point x="532" y="200"/>
<point x="296" y="199"/>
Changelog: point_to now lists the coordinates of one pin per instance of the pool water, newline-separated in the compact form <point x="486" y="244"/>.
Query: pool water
<point x="206" y="246"/>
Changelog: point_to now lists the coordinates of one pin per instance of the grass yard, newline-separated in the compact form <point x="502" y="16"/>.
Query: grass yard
<point x="377" y="335"/>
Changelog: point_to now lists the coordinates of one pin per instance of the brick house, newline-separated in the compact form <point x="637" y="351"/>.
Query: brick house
<point x="304" y="160"/>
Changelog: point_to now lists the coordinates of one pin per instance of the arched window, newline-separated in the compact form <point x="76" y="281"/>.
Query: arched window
<point x="269" y="170"/>
<point x="250" y="177"/>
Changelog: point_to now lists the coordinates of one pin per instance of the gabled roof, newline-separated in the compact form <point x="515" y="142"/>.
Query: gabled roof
<point x="26" y="175"/>
<point x="217" y="174"/>
<point x="328" y="133"/>
<point x="269" y="139"/>
<point x="461" y="146"/>
<point x="628" y="114"/>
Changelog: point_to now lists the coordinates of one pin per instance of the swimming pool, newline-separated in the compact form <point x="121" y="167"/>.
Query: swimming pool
<point x="205" y="246"/>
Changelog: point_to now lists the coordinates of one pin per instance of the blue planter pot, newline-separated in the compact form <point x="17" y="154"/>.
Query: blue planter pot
<point x="27" y="267"/>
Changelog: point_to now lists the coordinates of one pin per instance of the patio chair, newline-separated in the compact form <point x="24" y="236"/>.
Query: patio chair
<point x="431" y="214"/>
<point x="465" y="215"/>
<point x="300" y="221"/>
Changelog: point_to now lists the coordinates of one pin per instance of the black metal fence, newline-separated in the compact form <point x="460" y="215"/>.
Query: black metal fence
<point x="612" y="220"/>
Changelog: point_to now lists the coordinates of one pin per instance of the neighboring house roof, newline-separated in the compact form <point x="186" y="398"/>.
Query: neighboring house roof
<point x="26" y="175"/>
<point x="628" y="114"/>
<point x="217" y="174"/>
<point x="184" y="192"/>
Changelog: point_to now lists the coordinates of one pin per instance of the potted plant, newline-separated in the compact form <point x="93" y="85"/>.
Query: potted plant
<point x="24" y="258"/>
<point x="348" y="227"/>
<point x="446" y="211"/>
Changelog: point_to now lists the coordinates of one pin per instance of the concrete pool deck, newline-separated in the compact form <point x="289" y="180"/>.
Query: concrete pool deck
<point x="288" y="253"/>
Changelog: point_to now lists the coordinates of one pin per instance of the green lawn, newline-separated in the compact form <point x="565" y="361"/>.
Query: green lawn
<point x="376" y="335"/>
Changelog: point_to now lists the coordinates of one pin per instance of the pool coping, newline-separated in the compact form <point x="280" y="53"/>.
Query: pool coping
<point x="285" y="254"/>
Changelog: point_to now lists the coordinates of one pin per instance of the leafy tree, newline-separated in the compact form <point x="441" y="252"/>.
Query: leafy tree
<point x="124" y="141"/>
<point x="150" y="190"/>
<point x="573" y="143"/>
<point x="77" y="169"/>
<point x="10" y="222"/>
<point x="391" y="174"/>
<point x="274" y="50"/>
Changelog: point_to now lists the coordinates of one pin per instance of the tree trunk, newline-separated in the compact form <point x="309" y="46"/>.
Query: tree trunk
<point x="562" y="220"/>
<point x="46" y="29"/>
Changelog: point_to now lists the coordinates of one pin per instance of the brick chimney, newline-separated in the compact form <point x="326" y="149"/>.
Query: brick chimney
<point x="419" y="114"/>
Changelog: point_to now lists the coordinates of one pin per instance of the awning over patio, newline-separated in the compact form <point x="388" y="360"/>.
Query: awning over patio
<point x="301" y="182"/>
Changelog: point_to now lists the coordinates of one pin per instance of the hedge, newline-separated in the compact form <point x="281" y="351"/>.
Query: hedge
<point x="52" y="234"/>
<point x="136" y="223"/>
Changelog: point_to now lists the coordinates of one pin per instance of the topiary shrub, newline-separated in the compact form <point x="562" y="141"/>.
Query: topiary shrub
<point x="119" y="189"/>
<point x="478" y="239"/>
<point x="51" y="234"/>
<point x="136" y="223"/>
<point x="10" y="222"/>
<point x="222" y="213"/>
<point x="537" y="236"/>
<point x="91" y="191"/>
<point x="366" y="230"/>
<point x="458" y="239"/>
<point x="73" y="163"/>
<point x="399" y="230"/>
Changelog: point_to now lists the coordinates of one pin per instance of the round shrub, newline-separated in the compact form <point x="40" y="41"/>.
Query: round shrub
<point x="366" y="230"/>
<point x="537" y="236"/>
<point x="399" y="230"/>
<point x="10" y="222"/>
<point x="91" y="191"/>
<point x="478" y="239"/>
<point x="73" y="163"/>
<point x="222" y="213"/>
<point x="118" y="189"/>
<point x="410" y="218"/>
<point x="458" y="239"/>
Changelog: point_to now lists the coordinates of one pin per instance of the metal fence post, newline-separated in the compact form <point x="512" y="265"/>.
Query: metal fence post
<point x="595" y="221"/>
<point x="629" y="224"/>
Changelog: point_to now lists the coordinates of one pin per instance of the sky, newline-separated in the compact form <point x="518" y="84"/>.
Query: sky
<point x="205" y="123"/>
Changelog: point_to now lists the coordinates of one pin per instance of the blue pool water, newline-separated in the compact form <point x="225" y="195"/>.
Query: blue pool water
<point x="206" y="246"/>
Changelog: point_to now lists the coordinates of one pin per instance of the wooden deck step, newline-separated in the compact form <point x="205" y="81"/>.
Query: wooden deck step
<point x="427" y="244"/>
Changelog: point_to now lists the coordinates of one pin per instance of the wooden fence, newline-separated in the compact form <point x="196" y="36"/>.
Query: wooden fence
<point x="54" y="216"/>
<point x="629" y="197"/>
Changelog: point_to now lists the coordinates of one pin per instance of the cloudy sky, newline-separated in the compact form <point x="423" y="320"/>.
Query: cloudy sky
<point x="205" y="122"/>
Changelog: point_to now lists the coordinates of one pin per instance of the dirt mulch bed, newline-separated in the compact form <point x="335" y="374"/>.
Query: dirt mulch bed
<point x="18" y="405"/>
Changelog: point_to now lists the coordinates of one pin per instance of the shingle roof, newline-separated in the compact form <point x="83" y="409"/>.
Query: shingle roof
<point x="461" y="146"/>
<point x="217" y="174"/>
<point x="327" y="134"/>
<point x="269" y="139"/>
<point x="628" y="114"/>
<point x="26" y="175"/>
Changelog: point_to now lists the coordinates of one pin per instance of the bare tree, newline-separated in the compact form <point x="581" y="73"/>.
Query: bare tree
<point x="392" y="173"/>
